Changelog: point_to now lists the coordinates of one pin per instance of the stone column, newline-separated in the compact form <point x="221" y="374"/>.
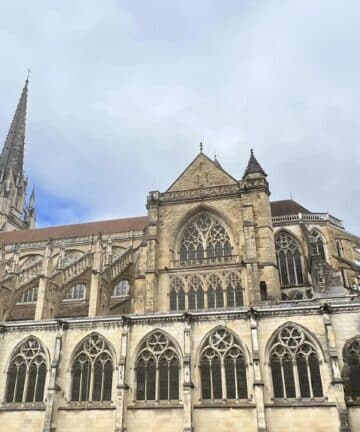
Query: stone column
<point x="337" y="383"/>
<point x="50" y="423"/>
<point x="42" y="310"/>
<point x="258" y="380"/>
<point x="188" y="385"/>
<point x="95" y="283"/>
<point x="122" y="387"/>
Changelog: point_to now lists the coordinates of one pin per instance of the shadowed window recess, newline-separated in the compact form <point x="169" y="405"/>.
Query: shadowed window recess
<point x="26" y="374"/>
<point x="157" y="369"/>
<point x="29" y="296"/>
<point x="351" y="370"/>
<point x="76" y="292"/>
<point x="121" y="289"/>
<point x="223" y="368"/>
<point x="92" y="370"/>
<point x="295" y="365"/>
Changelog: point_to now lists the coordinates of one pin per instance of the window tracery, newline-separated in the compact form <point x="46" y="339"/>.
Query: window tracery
<point x="295" y="365"/>
<point x="196" y="293"/>
<point x="205" y="238"/>
<point x="121" y="289"/>
<point x="215" y="294"/>
<point x="27" y="373"/>
<point x="177" y="294"/>
<point x="157" y="369"/>
<point x="29" y="296"/>
<point x="289" y="259"/>
<point x="92" y="370"/>
<point x="352" y="368"/>
<point x="234" y="290"/>
<point x="223" y="367"/>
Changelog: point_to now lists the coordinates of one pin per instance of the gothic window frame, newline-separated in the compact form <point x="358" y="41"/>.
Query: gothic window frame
<point x="205" y="238"/>
<point x="196" y="289"/>
<point x="155" y="349"/>
<point x="226" y="381"/>
<point x="32" y="381"/>
<point x="29" y="296"/>
<point x="215" y="292"/>
<point x="72" y="294"/>
<point x="177" y="294"/>
<point x="96" y="351"/>
<point x="233" y="282"/>
<point x="119" y="290"/>
<point x="318" y="243"/>
<point x="295" y="361"/>
<point x="290" y="259"/>
<point x="351" y="355"/>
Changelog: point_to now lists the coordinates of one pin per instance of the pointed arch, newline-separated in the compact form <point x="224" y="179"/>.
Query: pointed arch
<point x="92" y="368"/>
<point x="317" y="240"/>
<point x="157" y="368"/>
<point x="27" y="372"/>
<point x="294" y="357"/>
<point x="351" y="369"/>
<point x="223" y="364"/>
<point x="289" y="259"/>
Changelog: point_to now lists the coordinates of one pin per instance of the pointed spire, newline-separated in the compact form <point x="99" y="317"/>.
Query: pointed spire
<point x="32" y="199"/>
<point x="253" y="166"/>
<point x="12" y="155"/>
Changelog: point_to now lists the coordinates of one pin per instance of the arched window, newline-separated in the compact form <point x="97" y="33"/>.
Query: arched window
<point x="29" y="296"/>
<point x="92" y="370"/>
<point x="317" y="244"/>
<point x="196" y="293"/>
<point x="157" y="369"/>
<point x="351" y="371"/>
<point x="205" y="238"/>
<point x="121" y="289"/>
<point x="215" y="292"/>
<point x="234" y="292"/>
<point x="27" y="373"/>
<point x="76" y="292"/>
<point x="223" y="367"/>
<point x="295" y="365"/>
<point x="289" y="260"/>
<point x="177" y="294"/>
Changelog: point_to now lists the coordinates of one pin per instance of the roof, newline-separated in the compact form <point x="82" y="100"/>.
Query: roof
<point x="278" y="208"/>
<point x="75" y="230"/>
<point x="287" y="207"/>
<point x="253" y="166"/>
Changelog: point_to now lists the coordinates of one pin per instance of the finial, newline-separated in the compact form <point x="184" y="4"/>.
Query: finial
<point x="28" y="74"/>
<point x="252" y="152"/>
<point x="201" y="147"/>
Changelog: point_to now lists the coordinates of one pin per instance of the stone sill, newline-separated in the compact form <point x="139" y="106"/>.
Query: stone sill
<point x="155" y="405"/>
<point x="87" y="406"/>
<point x="225" y="404"/>
<point x="23" y="407"/>
<point x="353" y="403"/>
<point x="300" y="404"/>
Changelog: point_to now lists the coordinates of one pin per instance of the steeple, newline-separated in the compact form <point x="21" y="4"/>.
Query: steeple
<point x="14" y="212"/>
<point x="12" y="155"/>
<point x="253" y="166"/>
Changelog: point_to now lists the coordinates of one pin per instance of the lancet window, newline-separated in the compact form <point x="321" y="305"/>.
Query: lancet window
<point x="121" y="289"/>
<point x="223" y="367"/>
<point x="205" y="238"/>
<point x="234" y="292"/>
<point x="295" y="365"/>
<point x="157" y="369"/>
<point x="352" y="369"/>
<point x="27" y="373"/>
<point x="29" y="296"/>
<point x="196" y="293"/>
<point x="92" y="370"/>
<point x="177" y="294"/>
<point x="289" y="259"/>
<point x="317" y="244"/>
<point x="215" y="293"/>
<point x="76" y="292"/>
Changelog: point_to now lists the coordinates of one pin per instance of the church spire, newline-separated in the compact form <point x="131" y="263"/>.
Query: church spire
<point x="253" y="166"/>
<point x="12" y="155"/>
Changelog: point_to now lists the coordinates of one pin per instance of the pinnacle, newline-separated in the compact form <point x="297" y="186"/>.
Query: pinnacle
<point x="253" y="166"/>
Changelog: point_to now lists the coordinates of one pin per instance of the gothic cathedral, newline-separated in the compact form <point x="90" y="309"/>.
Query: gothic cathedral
<point x="217" y="311"/>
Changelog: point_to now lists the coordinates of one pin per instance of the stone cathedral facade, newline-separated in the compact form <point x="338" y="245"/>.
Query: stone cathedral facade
<point x="217" y="311"/>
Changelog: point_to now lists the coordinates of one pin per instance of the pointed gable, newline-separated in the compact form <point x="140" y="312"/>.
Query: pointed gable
<point x="201" y="173"/>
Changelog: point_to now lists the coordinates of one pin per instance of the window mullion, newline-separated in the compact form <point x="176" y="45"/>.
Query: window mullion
<point x="283" y="377"/>
<point x="145" y="380"/>
<point x="296" y="378"/>
<point x="295" y="272"/>
<point x="223" y="378"/>
<point x="211" y="380"/>
<point x="16" y="383"/>
<point x="235" y="378"/>
<point x="168" y="379"/>
<point x="157" y="383"/>
<point x="91" y="382"/>
<point x="309" y="377"/>
<point x="25" y="383"/>
<point x="102" y="381"/>
<point x="36" y="383"/>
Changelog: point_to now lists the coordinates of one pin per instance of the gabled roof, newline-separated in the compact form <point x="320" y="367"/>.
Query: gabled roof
<point x="287" y="207"/>
<point x="202" y="163"/>
<point x="75" y="230"/>
<point x="253" y="166"/>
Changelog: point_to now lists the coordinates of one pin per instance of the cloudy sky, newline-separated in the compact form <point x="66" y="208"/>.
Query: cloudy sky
<point x="122" y="92"/>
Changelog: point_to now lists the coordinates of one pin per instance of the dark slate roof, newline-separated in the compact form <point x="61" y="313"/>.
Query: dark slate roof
<point x="253" y="166"/>
<point x="287" y="207"/>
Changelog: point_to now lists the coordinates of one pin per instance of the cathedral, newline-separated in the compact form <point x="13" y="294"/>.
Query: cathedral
<point x="219" y="310"/>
